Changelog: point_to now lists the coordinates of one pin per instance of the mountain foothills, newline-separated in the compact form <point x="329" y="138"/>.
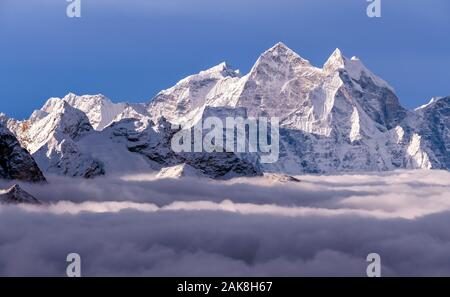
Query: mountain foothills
<point x="338" y="118"/>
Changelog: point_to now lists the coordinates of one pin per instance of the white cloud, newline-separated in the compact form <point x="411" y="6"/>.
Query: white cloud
<point x="321" y="226"/>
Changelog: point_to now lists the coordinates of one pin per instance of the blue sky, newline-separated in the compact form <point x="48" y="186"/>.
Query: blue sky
<point x="131" y="49"/>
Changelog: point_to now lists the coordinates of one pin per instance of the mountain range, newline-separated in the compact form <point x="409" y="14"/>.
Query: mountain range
<point x="337" y="118"/>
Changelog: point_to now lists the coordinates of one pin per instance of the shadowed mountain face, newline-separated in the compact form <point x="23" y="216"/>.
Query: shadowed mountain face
<point x="435" y="128"/>
<point x="16" y="195"/>
<point x="338" y="118"/>
<point x="15" y="162"/>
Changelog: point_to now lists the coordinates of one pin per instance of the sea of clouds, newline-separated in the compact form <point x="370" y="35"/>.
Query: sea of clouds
<point x="321" y="226"/>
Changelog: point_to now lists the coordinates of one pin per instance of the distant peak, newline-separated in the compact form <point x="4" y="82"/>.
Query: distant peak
<point x="337" y="53"/>
<point x="58" y="106"/>
<point x="432" y="102"/>
<point x="221" y="70"/>
<point x="74" y="97"/>
<point x="336" y="61"/>
<point x="354" y="68"/>
<point x="70" y="94"/>
<point x="223" y="65"/>
<point x="281" y="54"/>
<point x="279" y="45"/>
<point x="280" y="49"/>
<point x="51" y="104"/>
<point x="218" y="68"/>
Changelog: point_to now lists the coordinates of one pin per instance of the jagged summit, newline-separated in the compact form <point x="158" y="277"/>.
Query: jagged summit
<point x="335" y="61"/>
<point x="280" y="55"/>
<point x="99" y="109"/>
<point x="60" y="120"/>
<point x="80" y="100"/>
<point x="354" y="67"/>
<point x="16" y="195"/>
<point x="220" y="70"/>
<point x="51" y="137"/>
<point x="280" y="45"/>
<point x="280" y="49"/>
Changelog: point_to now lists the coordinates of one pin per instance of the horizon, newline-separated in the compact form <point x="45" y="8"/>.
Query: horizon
<point x="131" y="52"/>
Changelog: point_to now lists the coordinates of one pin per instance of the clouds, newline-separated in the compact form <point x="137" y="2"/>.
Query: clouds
<point x="321" y="226"/>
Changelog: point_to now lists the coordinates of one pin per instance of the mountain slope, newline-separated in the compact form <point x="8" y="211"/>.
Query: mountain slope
<point x="15" y="161"/>
<point x="434" y="129"/>
<point x="51" y="137"/>
<point x="16" y="195"/>
<point x="185" y="101"/>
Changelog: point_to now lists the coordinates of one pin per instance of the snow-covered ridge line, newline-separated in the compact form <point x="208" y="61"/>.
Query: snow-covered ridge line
<point x="334" y="119"/>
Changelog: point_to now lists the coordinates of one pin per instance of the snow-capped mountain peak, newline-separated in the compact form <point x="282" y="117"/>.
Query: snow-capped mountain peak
<point x="61" y="120"/>
<point x="336" y="61"/>
<point x="220" y="71"/>
<point x="280" y="56"/>
<point x="354" y="67"/>
<point x="53" y="141"/>
<point x="281" y="50"/>
<point x="100" y="110"/>
<point x="187" y="99"/>
<point x="217" y="72"/>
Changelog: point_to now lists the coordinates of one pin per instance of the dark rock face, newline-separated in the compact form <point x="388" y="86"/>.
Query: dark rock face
<point x="16" y="195"/>
<point x="215" y="165"/>
<point x="436" y="131"/>
<point x="380" y="103"/>
<point x="15" y="162"/>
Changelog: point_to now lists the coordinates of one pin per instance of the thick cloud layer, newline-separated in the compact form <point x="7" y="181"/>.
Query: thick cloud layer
<point x="326" y="225"/>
